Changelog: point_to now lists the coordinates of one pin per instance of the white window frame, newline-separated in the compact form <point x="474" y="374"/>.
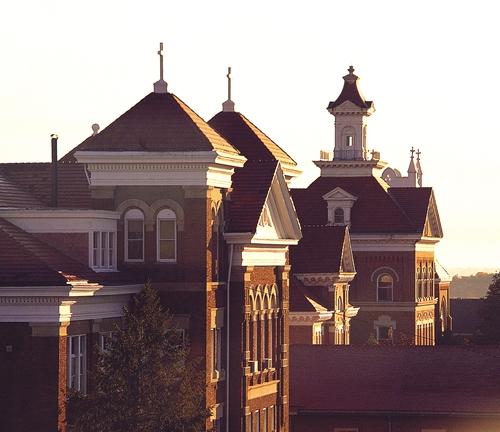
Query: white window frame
<point x="97" y="251"/>
<point x="80" y="365"/>
<point x="166" y="215"/>
<point x="132" y="215"/>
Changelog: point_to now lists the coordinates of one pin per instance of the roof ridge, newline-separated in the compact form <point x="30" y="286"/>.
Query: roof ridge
<point x="197" y="119"/>
<point x="252" y="125"/>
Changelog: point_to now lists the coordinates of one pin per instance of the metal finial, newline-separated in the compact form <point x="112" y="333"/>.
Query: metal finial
<point x="160" y="53"/>
<point x="418" y="154"/>
<point x="229" y="83"/>
<point x="412" y="151"/>
<point x="350" y="70"/>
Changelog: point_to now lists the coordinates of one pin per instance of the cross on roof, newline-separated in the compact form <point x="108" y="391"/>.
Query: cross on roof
<point x="418" y="154"/>
<point x="412" y="151"/>
<point x="160" y="53"/>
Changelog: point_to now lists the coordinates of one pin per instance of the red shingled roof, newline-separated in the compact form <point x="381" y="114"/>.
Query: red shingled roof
<point x="248" y="138"/>
<point x="159" y="122"/>
<point x="375" y="211"/>
<point x="307" y="257"/>
<point x="250" y="188"/>
<point x="13" y="196"/>
<point x="444" y="379"/>
<point x="34" y="180"/>
<point x="26" y="260"/>
<point x="414" y="202"/>
<point x="300" y="295"/>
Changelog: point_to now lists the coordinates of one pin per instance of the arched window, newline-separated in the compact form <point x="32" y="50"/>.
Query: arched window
<point x="338" y="216"/>
<point x="385" y="284"/>
<point x="340" y="304"/>
<point x="166" y="236"/>
<point x="134" y="235"/>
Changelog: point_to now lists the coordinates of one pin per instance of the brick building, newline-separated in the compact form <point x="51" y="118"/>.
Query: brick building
<point x="202" y="209"/>
<point x="394" y="226"/>
<point x="397" y="389"/>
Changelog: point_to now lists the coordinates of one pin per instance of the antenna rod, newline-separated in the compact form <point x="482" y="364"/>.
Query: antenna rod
<point x="229" y="83"/>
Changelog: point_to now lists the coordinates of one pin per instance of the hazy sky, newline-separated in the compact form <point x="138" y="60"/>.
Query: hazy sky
<point x="431" y="67"/>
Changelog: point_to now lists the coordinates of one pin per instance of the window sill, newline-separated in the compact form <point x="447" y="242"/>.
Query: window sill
<point x="104" y="270"/>
<point x="221" y="376"/>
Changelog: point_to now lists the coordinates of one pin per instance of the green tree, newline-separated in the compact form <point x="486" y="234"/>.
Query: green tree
<point x="490" y="327"/>
<point x="145" y="380"/>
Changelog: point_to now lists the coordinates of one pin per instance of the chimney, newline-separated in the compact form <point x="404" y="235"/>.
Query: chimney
<point x="54" y="194"/>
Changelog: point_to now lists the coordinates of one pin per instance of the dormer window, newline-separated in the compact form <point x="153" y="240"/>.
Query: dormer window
<point x="339" y="204"/>
<point x="339" y="216"/>
<point x="134" y="235"/>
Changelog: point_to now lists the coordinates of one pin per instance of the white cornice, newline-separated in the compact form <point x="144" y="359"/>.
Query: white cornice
<point x="63" y="304"/>
<point x="212" y="168"/>
<point x="77" y="290"/>
<point x="350" y="168"/>
<point x="61" y="220"/>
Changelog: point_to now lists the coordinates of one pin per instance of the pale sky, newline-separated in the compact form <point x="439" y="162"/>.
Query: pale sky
<point x="431" y="67"/>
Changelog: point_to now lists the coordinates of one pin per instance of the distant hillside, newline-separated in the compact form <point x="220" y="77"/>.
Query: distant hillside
<point x="471" y="286"/>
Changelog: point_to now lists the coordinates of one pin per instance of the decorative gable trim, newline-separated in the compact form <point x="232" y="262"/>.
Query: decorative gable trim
<point x="432" y="226"/>
<point x="278" y="222"/>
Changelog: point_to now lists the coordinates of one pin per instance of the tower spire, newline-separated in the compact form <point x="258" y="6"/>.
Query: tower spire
<point x="412" y="172"/>
<point x="228" y="106"/>
<point x="419" y="168"/>
<point x="160" y="86"/>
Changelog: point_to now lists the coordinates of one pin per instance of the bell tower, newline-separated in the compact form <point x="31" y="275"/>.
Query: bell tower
<point x="351" y="111"/>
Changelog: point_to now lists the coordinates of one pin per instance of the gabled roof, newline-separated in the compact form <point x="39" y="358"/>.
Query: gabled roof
<point x="320" y="250"/>
<point x="160" y="122"/>
<point x="26" y="260"/>
<point x="248" y="138"/>
<point x="391" y="379"/>
<point x="250" y="189"/>
<point x="33" y="180"/>
<point x="375" y="210"/>
<point x="419" y="205"/>
<point x="260" y="189"/>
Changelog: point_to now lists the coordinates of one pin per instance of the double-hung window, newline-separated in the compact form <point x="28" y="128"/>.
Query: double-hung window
<point x="166" y="236"/>
<point x="77" y="363"/>
<point x="385" y="284"/>
<point x="103" y="247"/>
<point x="134" y="235"/>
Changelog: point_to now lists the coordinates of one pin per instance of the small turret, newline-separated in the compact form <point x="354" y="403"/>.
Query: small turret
<point x="412" y="171"/>
<point x="350" y="110"/>
<point x="419" y="169"/>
